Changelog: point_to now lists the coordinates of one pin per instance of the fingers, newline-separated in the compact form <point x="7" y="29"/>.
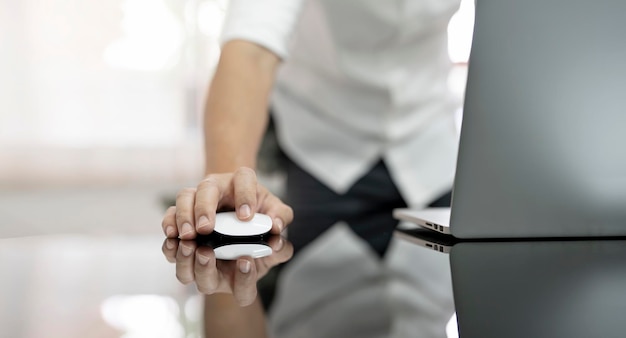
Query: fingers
<point x="169" y="223"/>
<point x="185" y="201"/>
<point x="244" y="283"/>
<point x="283" y="251"/>
<point x="185" y="261"/>
<point x="195" y="208"/>
<point x="169" y="248"/>
<point x="199" y="205"/>
<point x="208" y="196"/>
<point x="206" y="273"/>
<point x="281" y="214"/>
<point x="245" y="193"/>
<point x="199" y="265"/>
<point x="276" y="242"/>
<point x="283" y="254"/>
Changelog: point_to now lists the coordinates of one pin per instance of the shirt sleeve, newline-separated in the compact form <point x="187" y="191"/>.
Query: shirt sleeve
<point x="268" y="23"/>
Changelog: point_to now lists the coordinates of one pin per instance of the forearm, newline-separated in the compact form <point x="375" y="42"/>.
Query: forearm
<point x="236" y="116"/>
<point x="236" y="112"/>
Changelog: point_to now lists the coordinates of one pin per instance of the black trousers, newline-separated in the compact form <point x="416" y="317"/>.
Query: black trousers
<point x="366" y="207"/>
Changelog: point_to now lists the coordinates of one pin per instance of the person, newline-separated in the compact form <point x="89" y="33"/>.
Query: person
<point x="359" y="93"/>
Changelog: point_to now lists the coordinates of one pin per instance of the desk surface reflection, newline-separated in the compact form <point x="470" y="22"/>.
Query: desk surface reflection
<point x="113" y="286"/>
<point x="546" y="289"/>
<point x="534" y="288"/>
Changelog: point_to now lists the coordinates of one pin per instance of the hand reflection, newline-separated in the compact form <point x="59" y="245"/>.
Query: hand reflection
<point x="196" y="262"/>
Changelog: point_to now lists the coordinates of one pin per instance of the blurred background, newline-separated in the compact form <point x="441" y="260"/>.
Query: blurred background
<point x="102" y="97"/>
<point x="100" y="116"/>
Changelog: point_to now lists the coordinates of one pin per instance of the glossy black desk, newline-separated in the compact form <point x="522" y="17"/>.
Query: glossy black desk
<point x="82" y="285"/>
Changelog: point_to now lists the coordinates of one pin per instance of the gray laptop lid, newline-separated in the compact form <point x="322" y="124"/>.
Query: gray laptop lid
<point x="543" y="141"/>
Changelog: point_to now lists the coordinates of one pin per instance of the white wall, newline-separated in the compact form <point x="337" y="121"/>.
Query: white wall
<point x="103" y="90"/>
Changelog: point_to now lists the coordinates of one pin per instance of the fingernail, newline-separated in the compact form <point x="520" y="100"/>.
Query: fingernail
<point x="280" y="244"/>
<point x="203" y="221"/>
<point x="186" y="250"/>
<point x="279" y="223"/>
<point x="244" y="266"/>
<point x="169" y="244"/>
<point x="244" y="211"/>
<point x="203" y="260"/>
<point x="169" y="231"/>
<point x="187" y="228"/>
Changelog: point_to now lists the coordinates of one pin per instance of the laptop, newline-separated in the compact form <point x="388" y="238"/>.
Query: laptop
<point x="542" y="150"/>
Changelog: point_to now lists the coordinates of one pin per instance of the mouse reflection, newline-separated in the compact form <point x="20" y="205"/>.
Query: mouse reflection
<point x="219" y="265"/>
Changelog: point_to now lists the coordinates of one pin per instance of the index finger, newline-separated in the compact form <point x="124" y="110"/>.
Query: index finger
<point x="245" y="190"/>
<point x="208" y="195"/>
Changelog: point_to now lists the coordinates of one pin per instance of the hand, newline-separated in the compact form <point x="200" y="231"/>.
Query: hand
<point x="195" y="208"/>
<point x="238" y="277"/>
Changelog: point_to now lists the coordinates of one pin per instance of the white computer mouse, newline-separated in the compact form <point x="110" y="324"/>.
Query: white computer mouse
<point x="227" y="224"/>
<point x="234" y="251"/>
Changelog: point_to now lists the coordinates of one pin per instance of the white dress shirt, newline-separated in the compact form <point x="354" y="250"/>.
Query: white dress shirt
<point x="361" y="80"/>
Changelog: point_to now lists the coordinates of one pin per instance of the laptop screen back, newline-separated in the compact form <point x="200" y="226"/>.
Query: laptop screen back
<point x="543" y="140"/>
